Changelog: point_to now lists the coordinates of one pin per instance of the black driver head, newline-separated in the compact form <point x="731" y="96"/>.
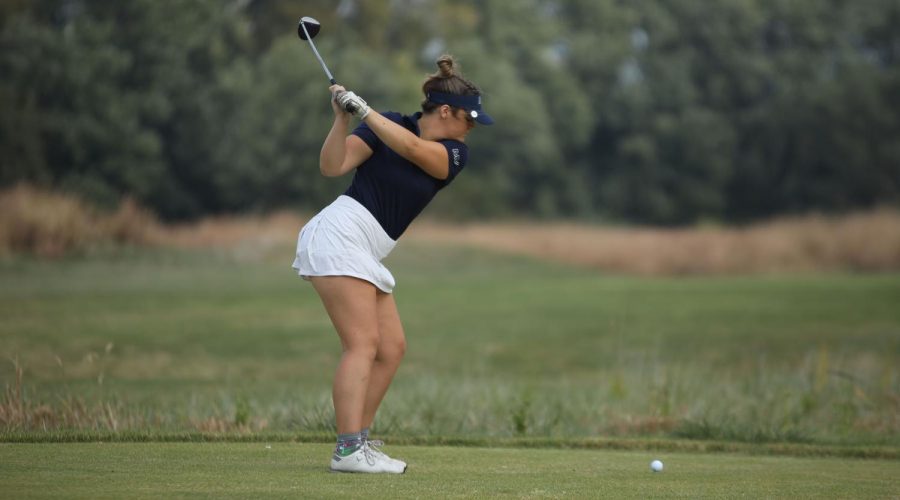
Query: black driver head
<point x="312" y="27"/>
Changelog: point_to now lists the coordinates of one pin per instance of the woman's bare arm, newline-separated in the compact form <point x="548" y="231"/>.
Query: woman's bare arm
<point x="341" y="153"/>
<point x="430" y="156"/>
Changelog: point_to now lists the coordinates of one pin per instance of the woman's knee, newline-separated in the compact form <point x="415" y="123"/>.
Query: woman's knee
<point x="392" y="349"/>
<point x="362" y="345"/>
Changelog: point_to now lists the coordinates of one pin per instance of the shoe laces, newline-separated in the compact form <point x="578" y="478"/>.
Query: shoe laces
<point x="375" y="445"/>
<point x="370" y="454"/>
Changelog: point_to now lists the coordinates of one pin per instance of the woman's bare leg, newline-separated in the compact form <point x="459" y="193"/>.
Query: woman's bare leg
<point x="391" y="347"/>
<point x="351" y="304"/>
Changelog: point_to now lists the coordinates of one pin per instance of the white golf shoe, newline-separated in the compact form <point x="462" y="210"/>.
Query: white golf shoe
<point x="376" y="444"/>
<point x="367" y="461"/>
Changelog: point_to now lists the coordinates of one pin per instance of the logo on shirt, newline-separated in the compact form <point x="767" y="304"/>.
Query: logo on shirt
<point x="455" y="152"/>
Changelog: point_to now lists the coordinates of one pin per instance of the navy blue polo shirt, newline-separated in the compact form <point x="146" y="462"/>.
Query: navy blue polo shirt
<point x="394" y="189"/>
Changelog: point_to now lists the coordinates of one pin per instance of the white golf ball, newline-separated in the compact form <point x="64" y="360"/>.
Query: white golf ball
<point x="656" y="466"/>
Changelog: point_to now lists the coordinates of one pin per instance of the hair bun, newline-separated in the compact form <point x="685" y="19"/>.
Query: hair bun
<point x="445" y="65"/>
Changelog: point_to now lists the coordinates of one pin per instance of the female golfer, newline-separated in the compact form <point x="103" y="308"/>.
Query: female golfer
<point x="401" y="162"/>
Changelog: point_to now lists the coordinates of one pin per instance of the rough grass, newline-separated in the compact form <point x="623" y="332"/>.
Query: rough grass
<point x="170" y="344"/>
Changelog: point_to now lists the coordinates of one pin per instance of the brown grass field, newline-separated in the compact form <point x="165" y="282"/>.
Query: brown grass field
<point x="855" y="242"/>
<point x="53" y="225"/>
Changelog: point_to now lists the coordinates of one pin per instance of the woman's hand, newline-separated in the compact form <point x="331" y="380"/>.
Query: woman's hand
<point x="354" y="104"/>
<point x="341" y="153"/>
<point x="348" y="102"/>
<point x="335" y="91"/>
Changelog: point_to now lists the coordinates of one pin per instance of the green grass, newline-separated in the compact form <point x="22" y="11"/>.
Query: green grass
<point x="254" y="470"/>
<point x="164" y="342"/>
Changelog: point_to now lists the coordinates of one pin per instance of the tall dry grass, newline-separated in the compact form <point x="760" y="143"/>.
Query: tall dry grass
<point x="273" y="230"/>
<point x="18" y="413"/>
<point x="867" y="241"/>
<point x="51" y="224"/>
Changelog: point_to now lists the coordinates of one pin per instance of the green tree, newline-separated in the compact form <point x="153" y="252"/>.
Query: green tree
<point x="655" y="111"/>
<point x="69" y="121"/>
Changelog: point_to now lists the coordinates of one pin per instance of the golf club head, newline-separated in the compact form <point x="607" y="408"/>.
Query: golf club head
<point x="312" y="27"/>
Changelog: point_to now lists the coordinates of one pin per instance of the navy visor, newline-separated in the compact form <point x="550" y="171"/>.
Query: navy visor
<point x="470" y="103"/>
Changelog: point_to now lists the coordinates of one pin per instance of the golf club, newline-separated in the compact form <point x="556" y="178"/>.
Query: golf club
<point x="307" y="29"/>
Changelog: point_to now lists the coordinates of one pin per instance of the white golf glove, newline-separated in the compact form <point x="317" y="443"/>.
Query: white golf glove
<point x="353" y="104"/>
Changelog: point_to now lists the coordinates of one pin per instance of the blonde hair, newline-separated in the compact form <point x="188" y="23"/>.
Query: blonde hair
<point x="447" y="80"/>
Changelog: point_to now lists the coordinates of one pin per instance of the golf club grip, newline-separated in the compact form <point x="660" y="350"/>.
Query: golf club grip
<point x="348" y="107"/>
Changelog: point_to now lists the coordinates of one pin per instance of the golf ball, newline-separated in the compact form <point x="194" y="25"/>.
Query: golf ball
<point x="656" y="466"/>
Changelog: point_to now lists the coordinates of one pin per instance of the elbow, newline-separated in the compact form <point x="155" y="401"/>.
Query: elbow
<point x="328" y="170"/>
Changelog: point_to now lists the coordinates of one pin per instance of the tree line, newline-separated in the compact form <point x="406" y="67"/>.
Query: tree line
<point x="657" y="111"/>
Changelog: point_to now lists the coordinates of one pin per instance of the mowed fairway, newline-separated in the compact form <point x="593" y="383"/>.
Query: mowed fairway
<point x="242" y="470"/>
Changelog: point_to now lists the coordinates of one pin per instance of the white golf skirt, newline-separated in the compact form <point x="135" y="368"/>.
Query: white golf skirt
<point x="344" y="239"/>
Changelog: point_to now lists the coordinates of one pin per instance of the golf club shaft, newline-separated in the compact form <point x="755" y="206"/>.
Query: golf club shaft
<point x="316" y="52"/>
